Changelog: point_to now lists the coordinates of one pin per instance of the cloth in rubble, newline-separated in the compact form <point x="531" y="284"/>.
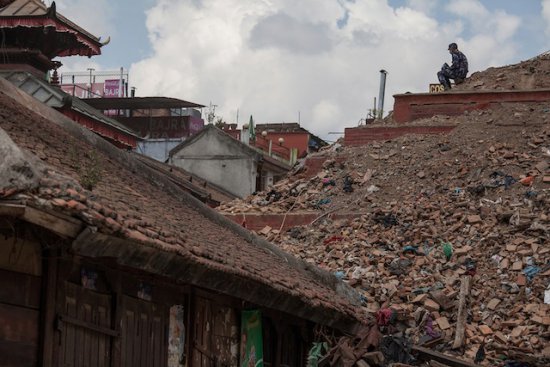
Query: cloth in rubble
<point x="273" y="195"/>
<point x="387" y="220"/>
<point x="348" y="182"/>
<point x="386" y="316"/>
<point x="396" y="349"/>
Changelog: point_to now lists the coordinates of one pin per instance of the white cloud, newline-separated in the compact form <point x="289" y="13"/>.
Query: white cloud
<point x="94" y="16"/>
<point x="468" y="8"/>
<point x="546" y="14"/>
<point x="100" y="25"/>
<point x="320" y="58"/>
<point x="424" y="6"/>
<point x="498" y="24"/>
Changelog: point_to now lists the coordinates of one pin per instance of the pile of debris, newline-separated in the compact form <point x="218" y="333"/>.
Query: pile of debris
<point x="530" y="74"/>
<point x="433" y="213"/>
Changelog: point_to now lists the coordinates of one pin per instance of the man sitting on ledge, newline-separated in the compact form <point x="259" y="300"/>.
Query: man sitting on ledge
<point x="457" y="71"/>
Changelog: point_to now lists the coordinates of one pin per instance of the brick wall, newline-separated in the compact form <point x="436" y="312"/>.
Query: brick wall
<point x="364" y="135"/>
<point x="411" y="106"/>
<point x="314" y="164"/>
<point x="258" y="221"/>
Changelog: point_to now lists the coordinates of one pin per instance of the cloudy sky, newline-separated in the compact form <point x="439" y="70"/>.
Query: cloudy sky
<point x="313" y="60"/>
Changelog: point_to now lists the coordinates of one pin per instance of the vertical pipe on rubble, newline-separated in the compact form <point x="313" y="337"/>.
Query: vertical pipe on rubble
<point x="380" y="111"/>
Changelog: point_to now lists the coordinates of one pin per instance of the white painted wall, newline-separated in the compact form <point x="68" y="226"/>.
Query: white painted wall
<point x="157" y="148"/>
<point x="227" y="165"/>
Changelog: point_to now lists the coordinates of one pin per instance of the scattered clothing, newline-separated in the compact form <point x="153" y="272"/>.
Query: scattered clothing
<point x="386" y="316"/>
<point x="396" y="349"/>
<point x="348" y="182"/>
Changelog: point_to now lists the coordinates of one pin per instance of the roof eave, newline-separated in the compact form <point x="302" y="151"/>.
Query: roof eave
<point x="86" y="41"/>
<point x="182" y="268"/>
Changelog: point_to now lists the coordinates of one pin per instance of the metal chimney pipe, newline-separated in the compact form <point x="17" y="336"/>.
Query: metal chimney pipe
<point x="381" y="94"/>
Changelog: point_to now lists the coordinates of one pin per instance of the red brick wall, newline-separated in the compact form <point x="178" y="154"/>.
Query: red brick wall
<point x="363" y="135"/>
<point x="314" y="165"/>
<point x="408" y="107"/>
<point x="256" y="222"/>
<point x="298" y="140"/>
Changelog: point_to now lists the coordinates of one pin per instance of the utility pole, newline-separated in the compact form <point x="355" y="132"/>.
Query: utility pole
<point x="90" y="89"/>
<point x="211" y="113"/>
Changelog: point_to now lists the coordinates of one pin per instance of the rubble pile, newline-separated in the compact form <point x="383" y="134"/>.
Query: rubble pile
<point x="530" y="74"/>
<point x="433" y="213"/>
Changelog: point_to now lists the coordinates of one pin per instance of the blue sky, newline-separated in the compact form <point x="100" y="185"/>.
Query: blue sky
<point x="317" y="59"/>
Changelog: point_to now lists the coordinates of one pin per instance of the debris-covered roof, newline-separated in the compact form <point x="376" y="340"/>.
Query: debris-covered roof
<point x="130" y="213"/>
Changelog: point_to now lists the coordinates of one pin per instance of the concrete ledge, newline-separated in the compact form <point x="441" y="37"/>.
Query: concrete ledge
<point x="256" y="222"/>
<point x="364" y="135"/>
<point x="412" y="106"/>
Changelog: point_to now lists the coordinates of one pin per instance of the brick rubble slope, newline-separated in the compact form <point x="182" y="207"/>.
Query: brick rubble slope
<point x="484" y="188"/>
<point x="529" y="74"/>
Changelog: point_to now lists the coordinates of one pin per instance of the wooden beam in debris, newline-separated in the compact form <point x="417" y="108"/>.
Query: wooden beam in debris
<point x="428" y="354"/>
<point x="462" y="311"/>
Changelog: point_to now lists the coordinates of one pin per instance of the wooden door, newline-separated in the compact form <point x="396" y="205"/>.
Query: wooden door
<point x="20" y="294"/>
<point x="19" y="319"/>
<point x="202" y="354"/>
<point x="144" y="331"/>
<point x="84" y="323"/>
<point x="292" y="351"/>
<point x="225" y="335"/>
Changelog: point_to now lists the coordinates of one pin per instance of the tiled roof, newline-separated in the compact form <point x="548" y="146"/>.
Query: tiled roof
<point x="197" y="186"/>
<point x="132" y="203"/>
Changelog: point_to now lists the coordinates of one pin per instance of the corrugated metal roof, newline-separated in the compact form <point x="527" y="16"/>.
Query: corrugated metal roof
<point x="140" y="103"/>
<point x="56" y="98"/>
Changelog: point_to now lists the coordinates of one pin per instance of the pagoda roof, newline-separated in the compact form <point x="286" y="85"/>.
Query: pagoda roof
<point x="34" y="13"/>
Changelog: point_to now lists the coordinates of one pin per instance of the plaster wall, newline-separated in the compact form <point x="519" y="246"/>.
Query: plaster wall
<point x="213" y="159"/>
<point x="157" y="148"/>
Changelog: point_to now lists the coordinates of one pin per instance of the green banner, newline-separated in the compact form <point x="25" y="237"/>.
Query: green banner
<point x="252" y="350"/>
